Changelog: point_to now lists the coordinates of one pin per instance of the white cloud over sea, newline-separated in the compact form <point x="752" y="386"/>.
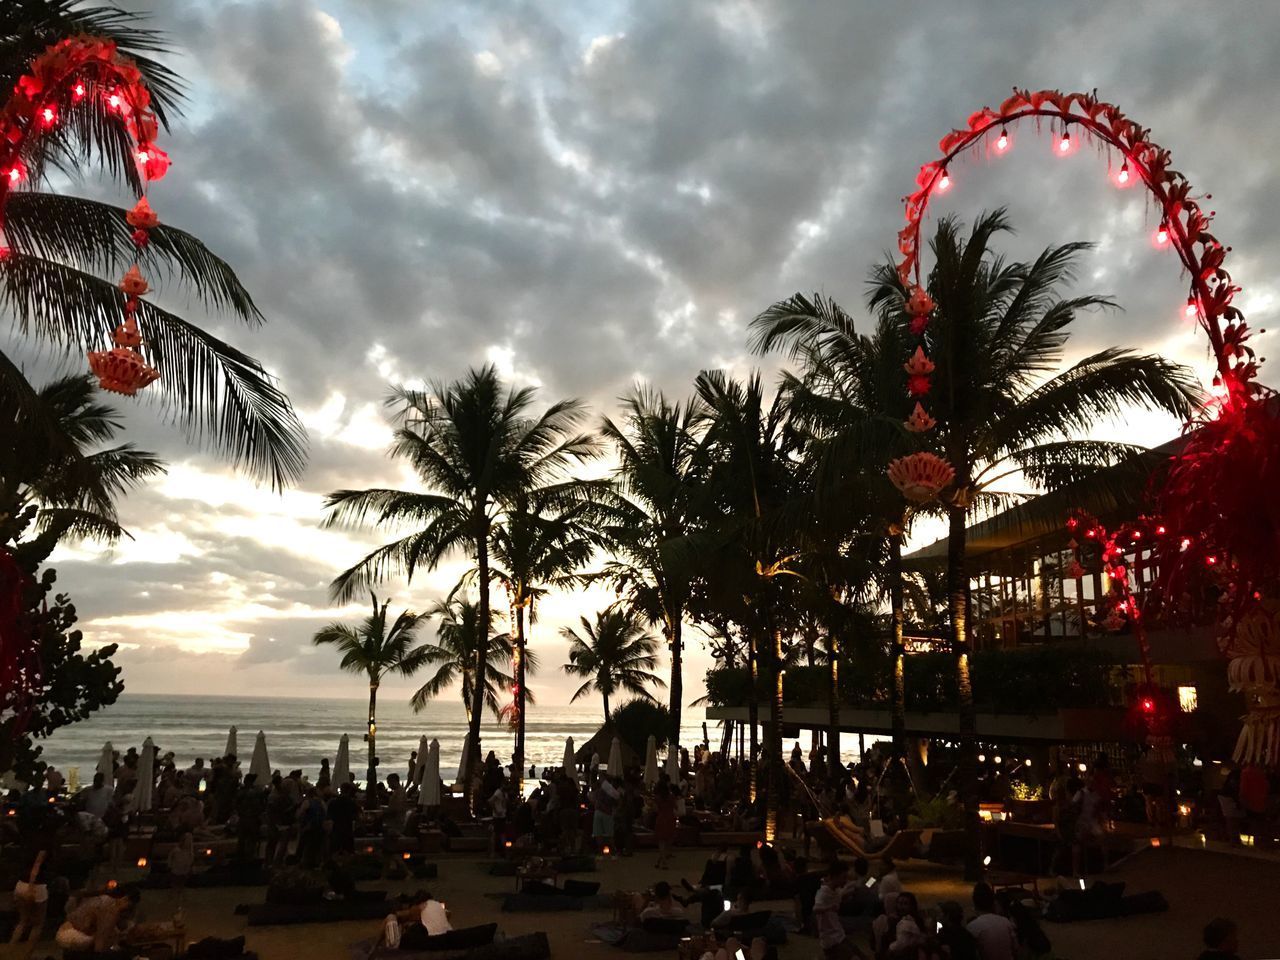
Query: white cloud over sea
<point x="588" y="194"/>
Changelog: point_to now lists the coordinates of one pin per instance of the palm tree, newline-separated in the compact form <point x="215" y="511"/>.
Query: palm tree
<point x="614" y="654"/>
<point x="997" y="336"/>
<point x="376" y="649"/>
<point x="61" y="248"/>
<point x="755" y="480"/>
<point x="69" y="481"/>
<point x="850" y="403"/>
<point x="544" y="540"/>
<point x="477" y="449"/>
<point x="454" y="657"/>
<point x="661" y="454"/>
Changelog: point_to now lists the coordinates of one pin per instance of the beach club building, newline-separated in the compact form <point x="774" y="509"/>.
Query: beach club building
<point x="1049" y="673"/>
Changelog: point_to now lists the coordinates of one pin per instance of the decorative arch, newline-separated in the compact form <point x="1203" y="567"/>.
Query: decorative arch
<point x="70" y="75"/>
<point x="1217" y="519"/>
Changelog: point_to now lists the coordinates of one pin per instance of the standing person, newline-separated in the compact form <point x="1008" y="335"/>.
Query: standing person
<point x="996" y="935"/>
<point x="412" y="776"/>
<point x="250" y="805"/>
<point x="31" y="900"/>
<point x="665" y="824"/>
<point x="498" y="809"/>
<point x="832" y="938"/>
<point x="281" y="813"/>
<point x="1088" y="806"/>
<point x="324" y="777"/>
<point x="182" y="861"/>
<point x="606" y="803"/>
<point x="311" y="820"/>
<point x="343" y="811"/>
<point x="96" y="799"/>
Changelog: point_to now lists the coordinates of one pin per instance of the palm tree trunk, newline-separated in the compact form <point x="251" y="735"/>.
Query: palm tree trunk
<point x="607" y="719"/>
<point x="958" y="604"/>
<point x="371" y="735"/>
<point x="676" y="639"/>
<point x="833" y="706"/>
<point x="899" y="705"/>
<point x="482" y="662"/>
<point x="773" y="801"/>
<point x="517" y="672"/>
<point x="753" y="711"/>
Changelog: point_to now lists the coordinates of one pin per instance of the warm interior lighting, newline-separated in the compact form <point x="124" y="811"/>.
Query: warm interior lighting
<point x="1188" y="700"/>
<point x="1246" y="839"/>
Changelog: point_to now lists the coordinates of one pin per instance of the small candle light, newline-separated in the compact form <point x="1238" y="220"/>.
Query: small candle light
<point x="111" y="884"/>
<point x="986" y="861"/>
<point x="208" y="851"/>
<point x="406" y="855"/>
<point x="142" y="861"/>
<point x="605" y="850"/>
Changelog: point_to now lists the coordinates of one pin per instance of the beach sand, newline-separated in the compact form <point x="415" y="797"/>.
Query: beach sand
<point x="1198" y="884"/>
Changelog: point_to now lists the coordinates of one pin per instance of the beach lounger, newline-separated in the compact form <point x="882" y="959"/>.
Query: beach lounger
<point x="901" y="845"/>
<point x="326" y="911"/>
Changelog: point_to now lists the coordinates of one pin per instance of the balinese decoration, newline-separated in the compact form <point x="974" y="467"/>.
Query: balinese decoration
<point x="1219" y="516"/>
<point x="921" y="476"/>
<point x="74" y="74"/>
<point x="920" y="421"/>
<point x="71" y="76"/>
<point x="1254" y="670"/>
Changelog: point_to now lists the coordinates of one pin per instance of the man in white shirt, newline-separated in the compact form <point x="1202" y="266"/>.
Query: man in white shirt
<point x="832" y="938"/>
<point x="890" y="884"/>
<point x="97" y="799"/>
<point x="435" y="918"/>
<point x="996" y="935"/>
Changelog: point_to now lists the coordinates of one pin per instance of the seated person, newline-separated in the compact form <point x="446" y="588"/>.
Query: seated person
<point x="294" y="884"/>
<point x="418" y="922"/>
<point x="862" y="897"/>
<point x="732" y="913"/>
<point x="96" y="924"/>
<point x="662" y="906"/>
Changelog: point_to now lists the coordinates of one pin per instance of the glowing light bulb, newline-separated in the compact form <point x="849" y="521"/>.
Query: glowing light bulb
<point x="944" y="181"/>
<point x="1065" y="143"/>
<point x="1123" y="175"/>
<point x="1162" y="235"/>
<point x="48" y="115"/>
<point x="1191" y="306"/>
<point x="982" y="758"/>
<point x="14" y="174"/>
<point x="1002" y="142"/>
<point x="1211" y="560"/>
<point x="1186" y="542"/>
<point x="143" y="156"/>
<point x="113" y="101"/>
<point x="78" y="92"/>
<point x="1160" y="531"/>
<point x="997" y="759"/>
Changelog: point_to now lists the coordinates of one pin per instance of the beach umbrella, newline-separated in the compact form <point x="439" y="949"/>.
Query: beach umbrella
<point x="570" y="767"/>
<point x="418" y="770"/>
<point x="651" y="762"/>
<point x="466" y="758"/>
<point x="260" y="765"/>
<point x="106" y="763"/>
<point x="615" y="758"/>
<point x="429" y="792"/>
<point x="146" y="776"/>
<point x="673" y="764"/>
<point x="342" y="765"/>
<point x="232" y="748"/>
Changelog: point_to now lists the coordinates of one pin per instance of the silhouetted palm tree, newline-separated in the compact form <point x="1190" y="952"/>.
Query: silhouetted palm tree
<point x="477" y="448"/>
<point x="454" y="657"/>
<point x="377" y="648"/>
<point x="614" y="654"/>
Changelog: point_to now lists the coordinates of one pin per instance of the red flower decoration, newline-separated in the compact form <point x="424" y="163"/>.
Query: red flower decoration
<point x="918" y="385"/>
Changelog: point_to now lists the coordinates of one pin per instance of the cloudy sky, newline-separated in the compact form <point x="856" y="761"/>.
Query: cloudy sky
<point x="593" y="193"/>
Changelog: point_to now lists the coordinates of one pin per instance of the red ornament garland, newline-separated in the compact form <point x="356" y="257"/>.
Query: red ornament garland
<point x="65" y="76"/>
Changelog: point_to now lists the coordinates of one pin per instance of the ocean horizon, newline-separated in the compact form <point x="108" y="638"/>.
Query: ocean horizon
<point x="302" y="730"/>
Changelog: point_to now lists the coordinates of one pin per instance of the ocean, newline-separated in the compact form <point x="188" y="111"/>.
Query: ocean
<point x="301" y="731"/>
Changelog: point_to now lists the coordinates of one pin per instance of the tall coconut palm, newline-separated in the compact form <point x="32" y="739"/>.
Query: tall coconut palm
<point x="543" y="542"/>
<point x="849" y="401"/>
<point x="613" y="654"/>
<point x="70" y="481"/>
<point x="755" y="480"/>
<point x="454" y="657"/>
<point x="661" y="452"/>
<point x="477" y="448"/>
<point x="58" y="279"/>
<point x="376" y="648"/>
<point x="1005" y="405"/>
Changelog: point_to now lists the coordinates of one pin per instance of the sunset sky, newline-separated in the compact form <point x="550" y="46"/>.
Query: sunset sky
<point x="591" y="194"/>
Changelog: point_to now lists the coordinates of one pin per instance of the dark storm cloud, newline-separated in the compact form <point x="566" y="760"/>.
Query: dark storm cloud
<point x="590" y="193"/>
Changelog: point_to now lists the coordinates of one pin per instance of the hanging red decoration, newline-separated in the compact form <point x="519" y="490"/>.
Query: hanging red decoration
<point x="921" y="476"/>
<point x="66" y="75"/>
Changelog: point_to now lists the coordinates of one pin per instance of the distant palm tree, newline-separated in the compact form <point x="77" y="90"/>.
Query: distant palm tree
<point x="661" y="468"/>
<point x="543" y="541"/>
<point x="58" y="281"/>
<point x="73" y="479"/>
<point x="614" y="654"/>
<point x="997" y="336"/>
<point x="477" y="448"/>
<point x="376" y="648"/>
<point x="454" y="657"/>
